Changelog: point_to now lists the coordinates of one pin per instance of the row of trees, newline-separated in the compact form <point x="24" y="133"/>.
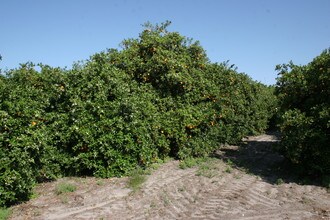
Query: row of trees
<point x="158" y="96"/>
<point x="304" y="100"/>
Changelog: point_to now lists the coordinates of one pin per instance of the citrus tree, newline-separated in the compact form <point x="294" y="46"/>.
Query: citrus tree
<point x="304" y="95"/>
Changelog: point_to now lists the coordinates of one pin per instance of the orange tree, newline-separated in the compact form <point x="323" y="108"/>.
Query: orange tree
<point x="200" y="103"/>
<point x="23" y="136"/>
<point x="304" y="96"/>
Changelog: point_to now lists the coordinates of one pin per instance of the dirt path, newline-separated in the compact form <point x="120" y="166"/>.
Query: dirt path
<point x="238" y="183"/>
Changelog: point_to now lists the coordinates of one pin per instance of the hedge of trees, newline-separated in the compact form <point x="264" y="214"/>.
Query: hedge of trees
<point x="304" y="100"/>
<point x="158" y="96"/>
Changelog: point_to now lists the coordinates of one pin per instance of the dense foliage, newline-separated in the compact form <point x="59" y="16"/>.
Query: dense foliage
<point x="158" y="96"/>
<point x="304" y="96"/>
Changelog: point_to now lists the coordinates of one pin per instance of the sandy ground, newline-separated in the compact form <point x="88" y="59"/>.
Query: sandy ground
<point x="243" y="182"/>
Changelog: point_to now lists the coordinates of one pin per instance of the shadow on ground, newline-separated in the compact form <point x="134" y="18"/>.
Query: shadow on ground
<point x="258" y="156"/>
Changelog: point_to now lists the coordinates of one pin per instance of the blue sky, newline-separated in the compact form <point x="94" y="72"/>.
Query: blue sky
<point x="255" y="35"/>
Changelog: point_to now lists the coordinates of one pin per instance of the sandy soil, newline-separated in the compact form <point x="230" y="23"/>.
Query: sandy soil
<point x="243" y="182"/>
